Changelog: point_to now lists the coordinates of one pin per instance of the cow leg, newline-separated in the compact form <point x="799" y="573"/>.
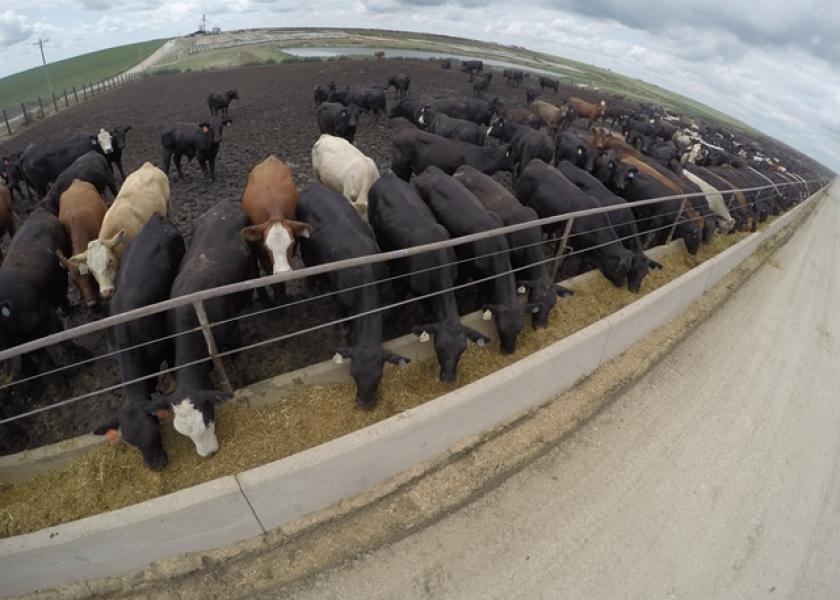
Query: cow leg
<point x="120" y="167"/>
<point x="178" y="166"/>
<point x="212" y="162"/>
<point x="166" y="159"/>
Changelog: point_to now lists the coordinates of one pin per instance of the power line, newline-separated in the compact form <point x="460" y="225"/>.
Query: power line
<point x="40" y="43"/>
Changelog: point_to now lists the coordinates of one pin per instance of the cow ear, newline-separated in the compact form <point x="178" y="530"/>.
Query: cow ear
<point x="93" y="140"/>
<point x="6" y="309"/>
<point x="252" y="233"/>
<point x="421" y="329"/>
<point x="111" y="424"/>
<point x="62" y="260"/>
<point x="227" y="122"/>
<point x="531" y="308"/>
<point x="300" y="229"/>
<point x="78" y="260"/>
<point x="118" y="239"/>
<point x="159" y="404"/>
<point x="127" y="128"/>
<point x="478" y="338"/>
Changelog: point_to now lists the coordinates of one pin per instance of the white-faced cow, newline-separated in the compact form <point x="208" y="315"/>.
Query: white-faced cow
<point x="145" y="192"/>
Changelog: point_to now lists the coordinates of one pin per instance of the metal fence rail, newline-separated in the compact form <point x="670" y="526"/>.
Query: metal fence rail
<point x="215" y="356"/>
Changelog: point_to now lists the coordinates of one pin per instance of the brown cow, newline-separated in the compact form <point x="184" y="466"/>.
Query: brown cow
<point x="81" y="210"/>
<point x="379" y="54"/>
<point x="8" y="218"/>
<point x="553" y="116"/>
<point x="626" y="154"/>
<point x="589" y="111"/>
<point x="270" y="201"/>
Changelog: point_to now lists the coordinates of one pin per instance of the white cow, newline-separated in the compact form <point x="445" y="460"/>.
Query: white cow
<point x="342" y="167"/>
<point x="715" y="200"/>
<point x="144" y="192"/>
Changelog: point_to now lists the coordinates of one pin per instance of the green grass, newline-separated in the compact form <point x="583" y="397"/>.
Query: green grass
<point x="26" y="86"/>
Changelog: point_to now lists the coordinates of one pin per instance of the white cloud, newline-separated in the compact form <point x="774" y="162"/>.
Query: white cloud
<point x="14" y="28"/>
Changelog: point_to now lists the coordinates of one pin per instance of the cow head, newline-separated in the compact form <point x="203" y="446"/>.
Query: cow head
<point x="623" y="177"/>
<point x="83" y="282"/>
<point x="450" y="343"/>
<point x="137" y="424"/>
<point x="425" y="116"/>
<point x="118" y="137"/>
<point x="232" y="95"/>
<point x="509" y="322"/>
<point x="101" y="261"/>
<point x="639" y="269"/>
<point x="690" y="234"/>
<point x="497" y="126"/>
<point x="615" y="262"/>
<point x="542" y="293"/>
<point x="103" y="140"/>
<point x="195" y="416"/>
<point x="279" y="237"/>
<point x="495" y="107"/>
<point x="366" y="365"/>
<point x="350" y="116"/>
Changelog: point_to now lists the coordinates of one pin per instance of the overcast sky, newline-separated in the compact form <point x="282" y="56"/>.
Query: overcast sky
<point x="772" y="64"/>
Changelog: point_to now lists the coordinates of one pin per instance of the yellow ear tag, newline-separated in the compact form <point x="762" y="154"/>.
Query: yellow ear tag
<point x="424" y="336"/>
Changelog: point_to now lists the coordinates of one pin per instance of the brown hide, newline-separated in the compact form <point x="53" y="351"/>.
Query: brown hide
<point x="80" y="211"/>
<point x="587" y="110"/>
<point x="271" y="196"/>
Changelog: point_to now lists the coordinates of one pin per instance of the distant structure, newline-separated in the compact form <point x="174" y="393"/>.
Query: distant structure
<point x="202" y="27"/>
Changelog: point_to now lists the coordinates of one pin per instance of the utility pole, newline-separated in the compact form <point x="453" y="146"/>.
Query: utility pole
<point x="40" y="43"/>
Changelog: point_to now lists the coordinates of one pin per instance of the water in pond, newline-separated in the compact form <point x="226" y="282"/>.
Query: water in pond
<point x="424" y="54"/>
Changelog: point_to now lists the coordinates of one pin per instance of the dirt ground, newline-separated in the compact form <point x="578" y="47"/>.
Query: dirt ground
<point x="275" y="115"/>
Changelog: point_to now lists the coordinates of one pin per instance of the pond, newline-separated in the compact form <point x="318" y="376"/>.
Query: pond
<point x="423" y="54"/>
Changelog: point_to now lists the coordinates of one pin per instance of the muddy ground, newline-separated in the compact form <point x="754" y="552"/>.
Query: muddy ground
<point x="275" y="115"/>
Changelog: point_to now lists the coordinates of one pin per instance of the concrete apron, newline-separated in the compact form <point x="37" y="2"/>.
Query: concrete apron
<point x="235" y="508"/>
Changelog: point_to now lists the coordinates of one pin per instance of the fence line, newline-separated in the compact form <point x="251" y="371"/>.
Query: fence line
<point x="259" y="282"/>
<point x="40" y="108"/>
<point x="215" y="356"/>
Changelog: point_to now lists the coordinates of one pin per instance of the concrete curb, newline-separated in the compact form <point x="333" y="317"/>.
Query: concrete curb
<point x="236" y="508"/>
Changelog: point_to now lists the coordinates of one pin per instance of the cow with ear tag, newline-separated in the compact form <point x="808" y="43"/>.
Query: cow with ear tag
<point x="401" y="219"/>
<point x="144" y="193"/>
<point x="217" y="256"/>
<point x="339" y="233"/>
<point x="270" y="201"/>
<point x="457" y="209"/>
<point x="528" y="249"/>
<point x="338" y="120"/>
<point x="145" y="277"/>
<point x="199" y="140"/>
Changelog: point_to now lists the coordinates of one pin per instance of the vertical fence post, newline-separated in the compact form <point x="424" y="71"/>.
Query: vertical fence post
<point x="84" y="91"/>
<point x="6" y="119"/>
<point x="75" y="94"/>
<point x="676" y="222"/>
<point x="55" y="102"/>
<point x="561" y="249"/>
<point x="90" y="84"/>
<point x="25" y="115"/>
<point x="41" y="106"/>
<point x="66" y="101"/>
<point x="212" y="350"/>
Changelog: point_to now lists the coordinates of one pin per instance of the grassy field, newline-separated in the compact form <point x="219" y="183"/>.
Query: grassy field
<point x="28" y="85"/>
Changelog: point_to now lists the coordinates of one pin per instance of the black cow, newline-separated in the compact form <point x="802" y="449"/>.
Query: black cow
<point x="12" y="175"/>
<point x="218" y="102"/>
<point x="147" y="270"/>
<point x="527" y="143"/>
<point x="415" y="150"/>
<point x="401" y="83"/>
<point x="32" y="285"/>
<point x="477" y="111"/>
<point x="217" y="255"/>
<point x="446" y="64"/>
<point x="514" y="77"/>
<point x="548" y="82"/>
<point x="401" y="219"/>
<point x="574" y="147"/>
<point x="654" y="221"/>
<point x="373" y="100"/>
<point x="549" y="193"/>
<point x="91" y="167"/>
<point x="531" y="95"/>
<point x="408" y="109"/>
<point x="450" y="127"/>
<point x="457" y="209"/>
<point x="527" y="246"/>
<point x="339" y="120"/>
<point x="482" y="84"/>
<point x="117" y="146"/>
<point x="623" y="221"/>
<point x="473" y="67"/>
<point x="322" y="92"/>
<point x="200" y="140"/>
<point x="339" y="233"/>
<point x="40" y="166"/>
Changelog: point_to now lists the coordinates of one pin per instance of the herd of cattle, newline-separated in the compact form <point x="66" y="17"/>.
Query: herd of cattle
<point x="439" y="186"/>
